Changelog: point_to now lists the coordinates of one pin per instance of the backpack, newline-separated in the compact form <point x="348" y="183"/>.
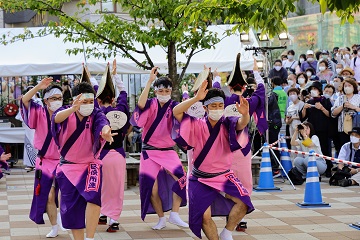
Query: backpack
<point x="296" y="176"/>
<point x="339" y="175"/>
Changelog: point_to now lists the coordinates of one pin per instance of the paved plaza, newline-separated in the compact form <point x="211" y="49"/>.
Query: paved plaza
<point x="276" y="216"/>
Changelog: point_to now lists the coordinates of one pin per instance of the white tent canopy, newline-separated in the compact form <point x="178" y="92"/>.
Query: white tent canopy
<point x="47" y="56"/>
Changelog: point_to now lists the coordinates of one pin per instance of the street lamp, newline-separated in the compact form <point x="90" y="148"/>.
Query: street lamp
<point x="244" y="37"/>
<point x="263" y="37"/>
<point x="283" y="36"/>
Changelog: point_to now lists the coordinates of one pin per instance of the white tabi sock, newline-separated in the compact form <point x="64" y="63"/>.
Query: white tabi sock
<point x="112" y="221"/>
<point x="226" y="235"/>
<point x="161" y="224"/>
<point x="175" y="219"/>
<point x="59" y="222"/>
<point x="54" y="232"/>
<point x="89" y="238"/>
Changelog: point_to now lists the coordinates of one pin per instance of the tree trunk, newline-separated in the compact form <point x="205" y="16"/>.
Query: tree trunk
<point x="172" y="65"/>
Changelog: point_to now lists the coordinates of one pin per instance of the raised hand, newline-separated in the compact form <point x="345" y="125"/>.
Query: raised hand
<point x="113" y="72"/>
<point x="184" y="88"/>
<point x="215" y="73"/>
<point x="153" y="74"/>
<point x="45" y="83"/>
<point x="77" y="103"/>
<point x="243" y="107"/>
<point x="107" y="135"/>
<point x="201" y="94"/>
<point x="5" y="156"/>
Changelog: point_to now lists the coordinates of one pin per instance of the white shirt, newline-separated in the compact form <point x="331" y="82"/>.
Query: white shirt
<point x="293" y="111"/>
<point x="287" y="64"/>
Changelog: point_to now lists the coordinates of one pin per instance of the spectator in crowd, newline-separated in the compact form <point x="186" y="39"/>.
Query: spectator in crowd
<point x="347" y="72"/>
<point x="302" y="80"/>
<point x="302" y="58"/>
<point x="311" y="74"/>
<point x="326" y="57"/>
<point x="310" y="61"/>
<point x="291" y="82"/>
<point x="324" y="72"/>
<point x="346" y="104"/>
<point x="278" y="71"/>
<point x="19" y="86"/>
<point x="306" y="141"/>
<point x="7" y="90"/>
<point x="338" y="87"/>
<point x="354" y="50"/>
<point x="293" y="111"/>
<point x="329" y="91"/>
<point x="355" y="63"/>
<point x="317" y="112"/>
<point x="334" y="54"/>
<point x="317" y="55"/>
<point x="350" y="152"/>
<point x="281" y="95"/>
<point x="290" y="63"/>
<point x="339" y="68"/>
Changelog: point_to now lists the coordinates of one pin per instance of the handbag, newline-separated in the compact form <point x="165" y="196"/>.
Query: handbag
<point x="296" y="176"/>
<point x="348" y="122"/>
<point x="339" y="175"/>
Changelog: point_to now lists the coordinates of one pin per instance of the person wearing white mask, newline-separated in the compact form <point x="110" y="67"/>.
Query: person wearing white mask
<point x="278" y="71"/>
<point x="159" y="162"/>
<point x="38" y="117"/>
<point x="339" y="68"/>
<point x="291" y="82"/>
<point x="310" y="61"/>
<point x="346" y="104"/>
<point x="355" y="64"/>
<point x="80" y="131"/>
<point x="350" y="152"/>
<point x="329" y="91"/>
<point x="302" y="80"/>
<point x="324" y="72"/>
<point x="290" y="63"/>
<point x="209" y="181"/>
<point x="293" y="111"/>
<point x="325" y="56"/>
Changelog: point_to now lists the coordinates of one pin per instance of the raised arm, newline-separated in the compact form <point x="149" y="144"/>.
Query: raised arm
<point x="178" y="111"/>
<point x="64" y="114"/>
<point x="41" y="85"/>
<point x="145" y="93"/>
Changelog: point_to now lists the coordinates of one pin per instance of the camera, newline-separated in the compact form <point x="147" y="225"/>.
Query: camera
<point x="300" y="127"/>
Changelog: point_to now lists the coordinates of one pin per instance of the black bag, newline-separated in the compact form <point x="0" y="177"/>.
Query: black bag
<point x="339" y="175"/>
<point x="296" y="176"/>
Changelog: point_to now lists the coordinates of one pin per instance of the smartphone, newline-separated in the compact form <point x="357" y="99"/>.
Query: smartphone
<point x="38" y="173"/>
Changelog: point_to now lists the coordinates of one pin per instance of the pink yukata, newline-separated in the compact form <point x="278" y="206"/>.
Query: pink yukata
<point x="114" y="165"/>
<point x="211" y="173"/>
<point x="3" y="164"/>
<point x="37" y="117"/>
<point x="79" y="173"/>
<point x="158" y="156"/>
<point x="241" y="164"/>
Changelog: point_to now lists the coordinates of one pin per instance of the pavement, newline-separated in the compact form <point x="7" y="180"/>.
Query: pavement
<point x="276" y="216"/>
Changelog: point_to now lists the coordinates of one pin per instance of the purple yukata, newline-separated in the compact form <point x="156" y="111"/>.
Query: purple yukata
<point x="37" y="117"/>
<point x="242" y="158"/>
<point x="158" y="156"/>
<point x="212" y="175"/>
<point x="79" y="172"/>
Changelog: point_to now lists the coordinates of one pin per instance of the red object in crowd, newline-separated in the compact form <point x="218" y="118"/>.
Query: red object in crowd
<point x="11" y="109"/>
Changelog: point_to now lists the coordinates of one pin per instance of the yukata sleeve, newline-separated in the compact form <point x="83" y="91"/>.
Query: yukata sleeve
<point x="1" y="150"/>
<point x="186" y="133"/>
<point x="57" y="127"/>
<point x="140" y="116"/>
<point x="237" y="139"/>
<point x="32" y="114"/>
<point x="99" y="121"/>
<point x="257" y="106"/>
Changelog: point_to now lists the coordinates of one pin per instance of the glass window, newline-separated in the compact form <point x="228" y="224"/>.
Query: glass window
<point x="107" y="6"/>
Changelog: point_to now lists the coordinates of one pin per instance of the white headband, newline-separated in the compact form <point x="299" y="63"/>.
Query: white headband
<point x="84" y="96"/>
<point x="52" y="92"/>
<point x="162" y="87"/>
<point x="213" y="100"/>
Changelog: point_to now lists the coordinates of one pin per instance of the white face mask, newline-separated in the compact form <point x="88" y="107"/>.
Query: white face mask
<point x="163" y="98"/>
<point x="290" y="57"/>
<point x="326" y="95"/>
<point x="293" y="98"/>
<point x="348" y="90"/>
<point x="347" y="56"/>
<point x="354" y="139"/>
<point x="301" y="81"/>
<point x="322" y="69"/>
<point x="290" y="82"/>
<point x="53" y="106"/>
<point x="336" y="85"/>
<point x="310" y="59"/>
<point x="314" y="93"/>
<point x="309" y="74"/>
<point x="216" y="114"/>
<point x="86" y="109"/>
<point x="301" y="60"/>
<point x="277" y="68"/>
<point x="338" y="70"/>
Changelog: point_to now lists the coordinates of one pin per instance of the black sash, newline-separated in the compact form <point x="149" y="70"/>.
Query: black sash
<point x="160" y="114"/>
<point x="213" y="135"/>
<point x="74" y="136"/>
<point x="48" y="138"/>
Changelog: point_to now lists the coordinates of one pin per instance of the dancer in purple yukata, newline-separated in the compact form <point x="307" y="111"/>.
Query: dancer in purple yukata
<point x="80" y="132"/>
<point x="162" y="178"/>
<point x="113" y="156"/>
<point x="214" y="190"/>
<point x="241" y="164"/>
<point x="3" y="158"/>
<point x="38" y="117"/>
